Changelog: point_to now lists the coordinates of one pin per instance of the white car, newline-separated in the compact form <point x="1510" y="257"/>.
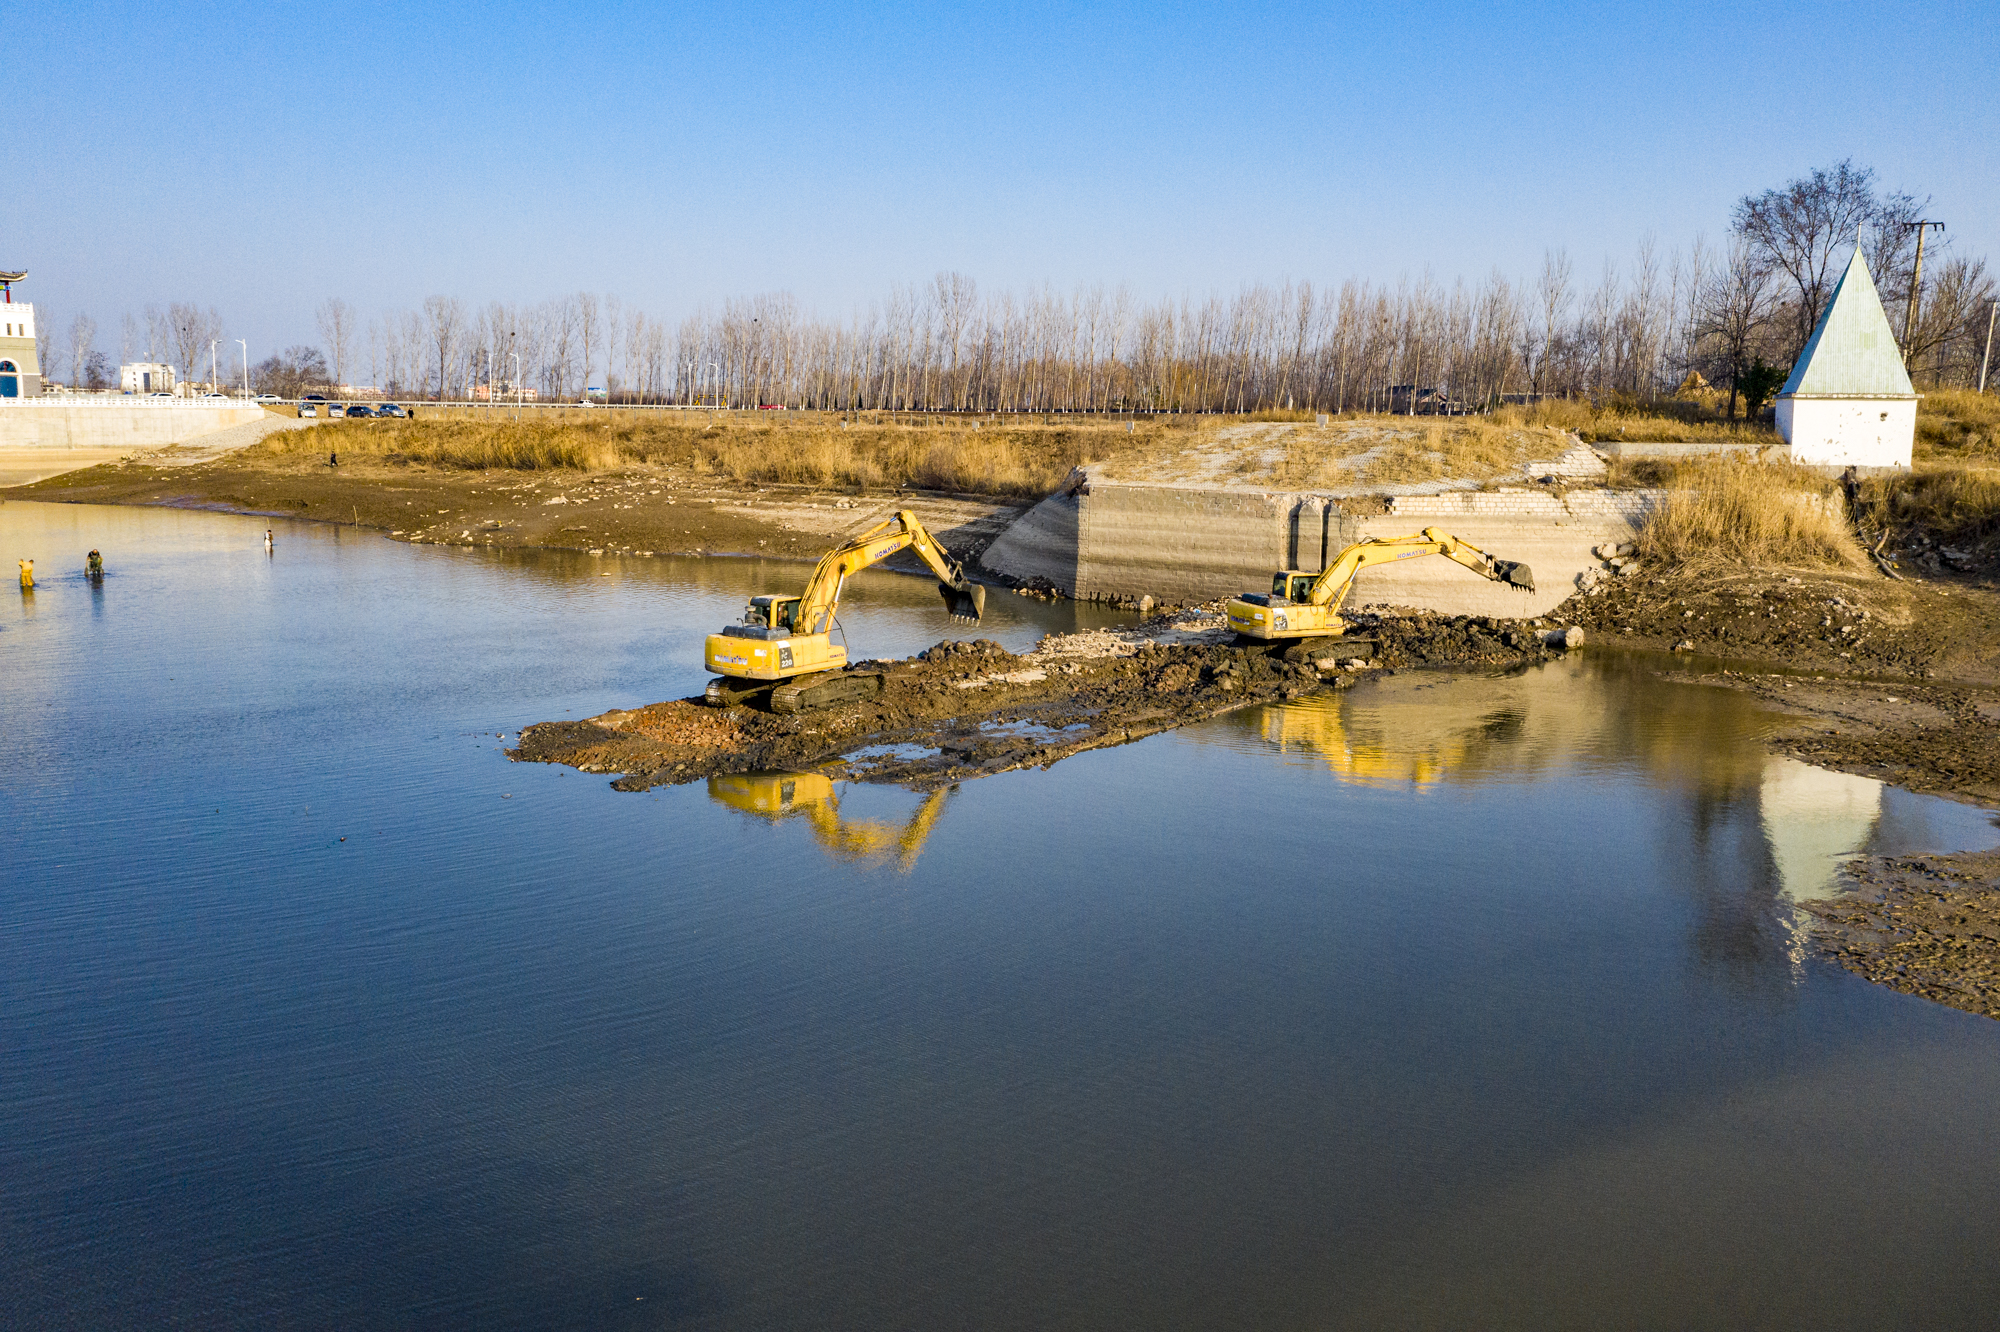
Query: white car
<point x="269" y="397"/>
<point x="308" y="409"/>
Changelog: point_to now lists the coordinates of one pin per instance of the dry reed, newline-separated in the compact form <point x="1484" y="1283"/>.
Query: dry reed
<point x="1722" y="511"/>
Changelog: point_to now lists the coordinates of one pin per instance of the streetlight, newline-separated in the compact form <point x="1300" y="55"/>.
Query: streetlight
<point x="1991" y="306"/>
<point x="517" y="378"/>
<point x="246" y="368"/>
<point x="211" y="363"/>
<point x="718" y="384"/>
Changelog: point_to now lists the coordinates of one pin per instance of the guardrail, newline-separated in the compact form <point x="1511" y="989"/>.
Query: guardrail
<point x="124" y="400"/>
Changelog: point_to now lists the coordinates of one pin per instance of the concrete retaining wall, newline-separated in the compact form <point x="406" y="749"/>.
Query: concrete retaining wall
<point x="50" y="424"/>
<point x="1182" y="543"/>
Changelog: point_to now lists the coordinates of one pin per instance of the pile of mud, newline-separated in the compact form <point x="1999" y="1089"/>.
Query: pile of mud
<point x="963" y="710"/>
<point x="1925" y="925"/>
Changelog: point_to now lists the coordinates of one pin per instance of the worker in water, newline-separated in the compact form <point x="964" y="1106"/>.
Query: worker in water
<point x="93" y="567"/>
<point x="268" y="543"/>
<point x="27" y="575"/>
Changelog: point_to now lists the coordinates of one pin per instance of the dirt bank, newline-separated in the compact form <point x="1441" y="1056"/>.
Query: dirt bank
<point x="1925" y="925"/>
<point x="967" y="709"/>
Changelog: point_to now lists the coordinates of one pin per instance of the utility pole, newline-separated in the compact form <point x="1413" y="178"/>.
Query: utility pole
<point x="1992" y="307"/>
<point x="1916" y="286"/>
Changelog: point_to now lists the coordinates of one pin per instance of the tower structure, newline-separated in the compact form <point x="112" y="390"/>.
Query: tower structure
<point x="20" y="365"/>
<point x="1849" y="400"/>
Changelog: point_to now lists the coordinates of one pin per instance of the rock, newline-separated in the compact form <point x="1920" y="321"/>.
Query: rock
<point x="1628" y="570"/>
<point x="1685" y="645"/>
<point x="1145" y="605"/>
<point x="1563" y="639"/>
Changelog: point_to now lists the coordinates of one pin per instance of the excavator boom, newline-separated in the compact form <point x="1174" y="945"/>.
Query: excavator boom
<point x="784" y="649"/>
<point x="1307" y="605"/>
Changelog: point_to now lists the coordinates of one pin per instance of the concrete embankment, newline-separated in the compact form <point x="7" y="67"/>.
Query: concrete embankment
<point x="51" y="423"/>
<point x="1103" y="539"/>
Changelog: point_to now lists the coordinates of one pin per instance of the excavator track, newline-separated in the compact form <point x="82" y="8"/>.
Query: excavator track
<point x="825" y="689"/>
<point x="1331" y="645"/>
<point x="724" y="692"/>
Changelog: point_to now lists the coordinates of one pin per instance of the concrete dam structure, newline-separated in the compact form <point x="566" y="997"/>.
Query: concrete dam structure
<point x="50" y="422"/>
<point x="1103" y="539"/>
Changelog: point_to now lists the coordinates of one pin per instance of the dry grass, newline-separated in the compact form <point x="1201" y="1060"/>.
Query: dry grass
<point x="1960" y="505"/>
<point x="1957" y="423"/>
<point x="1659" y="422"/>
<point x="1015" y="459"/>
<point x="1723" y="511"/>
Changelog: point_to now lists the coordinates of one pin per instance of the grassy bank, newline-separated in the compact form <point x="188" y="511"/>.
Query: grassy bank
<point x="1024" y="459"/>
<point x="1725" y="511"/>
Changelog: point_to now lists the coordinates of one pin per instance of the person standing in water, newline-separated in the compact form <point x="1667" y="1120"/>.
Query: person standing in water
<point x="268" y="543"/>
<point x="27" y="575"/>
<point x="93" y="567"/>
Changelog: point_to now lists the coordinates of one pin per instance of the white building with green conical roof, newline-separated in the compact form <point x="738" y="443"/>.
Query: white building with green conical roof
<point x="1849" y="399"/>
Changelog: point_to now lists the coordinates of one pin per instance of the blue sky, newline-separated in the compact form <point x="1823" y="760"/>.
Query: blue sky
<point x="263" y="157"/>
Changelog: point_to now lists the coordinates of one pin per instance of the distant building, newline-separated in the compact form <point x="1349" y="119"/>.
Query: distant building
<point x="146" y="377"/>
<point x="505" y="392"/>
<point x="20" y="366"/>
<point x="1849" y="399"/>
<point x="359" y="391"/>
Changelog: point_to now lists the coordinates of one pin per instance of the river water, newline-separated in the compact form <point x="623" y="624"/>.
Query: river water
<point x="1439" y="1003"/>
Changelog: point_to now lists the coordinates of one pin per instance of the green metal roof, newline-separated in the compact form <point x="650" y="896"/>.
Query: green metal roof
<point x="1853" y="352"/>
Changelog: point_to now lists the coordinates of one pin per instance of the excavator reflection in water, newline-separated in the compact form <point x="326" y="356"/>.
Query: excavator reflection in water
<point x="779" y="795"/>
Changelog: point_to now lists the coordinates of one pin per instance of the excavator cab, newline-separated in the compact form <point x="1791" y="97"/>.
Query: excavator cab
<point x="771" y="612"/>
<point x="1288" y="585"/>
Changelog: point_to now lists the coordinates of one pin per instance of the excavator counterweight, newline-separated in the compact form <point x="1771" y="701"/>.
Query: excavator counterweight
<point x="783" y="651"/>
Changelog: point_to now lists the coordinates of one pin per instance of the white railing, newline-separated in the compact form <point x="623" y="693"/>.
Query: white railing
<point x="119" y="400"/>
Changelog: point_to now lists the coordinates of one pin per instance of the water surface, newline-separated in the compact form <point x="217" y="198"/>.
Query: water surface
<point x="1440" y="1003"/>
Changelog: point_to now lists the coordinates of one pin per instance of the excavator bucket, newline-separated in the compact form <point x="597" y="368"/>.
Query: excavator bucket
<point x="1514" y="573"/>
<point x="965" y="602"/>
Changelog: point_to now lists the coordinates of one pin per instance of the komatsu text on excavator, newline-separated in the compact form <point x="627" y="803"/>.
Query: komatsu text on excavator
<point x="1306" y="606"/>
<point x="784" y="646"/>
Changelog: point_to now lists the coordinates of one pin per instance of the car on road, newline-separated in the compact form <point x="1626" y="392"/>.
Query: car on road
<point x="159" y="395"/>
<point x="269" y="397"/>
<point x="359" y="409"/>
<point x="308" y="409"/>
<point x="337" y="409"/>
<point x="391" y="409"/>
<point x="206" y="396"/>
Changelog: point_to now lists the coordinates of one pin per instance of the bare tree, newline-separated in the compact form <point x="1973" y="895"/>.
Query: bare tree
<point x="191" y="330"/>
<point x="82" y="345"/>
<point x="1553" y="290"/>
<point x="589" y="335"/>
<point x="336" y="325"/>
<point x="444" y="322"/>
<point x="1800" y="226"/>
<point x="1736" y="309"/>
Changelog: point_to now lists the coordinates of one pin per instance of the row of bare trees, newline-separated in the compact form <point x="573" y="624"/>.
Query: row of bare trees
<point x="1737" y="314"/>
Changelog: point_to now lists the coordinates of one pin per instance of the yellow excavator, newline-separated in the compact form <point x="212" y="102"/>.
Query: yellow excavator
<point x="778" y="795"/>
<point x="1306" y="606"/>
<point x="784" y="646"/>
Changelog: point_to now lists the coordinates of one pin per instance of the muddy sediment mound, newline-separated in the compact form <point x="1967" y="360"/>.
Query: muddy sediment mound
<point x="1925" y="925"/>
<point x="966" y="709"/>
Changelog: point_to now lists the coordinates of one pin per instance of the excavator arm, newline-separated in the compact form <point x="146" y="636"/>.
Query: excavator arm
<point x="1306" y="606"/>
<point x="965" y="599"/>
<point x="1331" y="587"/>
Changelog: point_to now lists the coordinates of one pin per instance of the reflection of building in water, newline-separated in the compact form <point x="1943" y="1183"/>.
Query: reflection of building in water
<point x="779" y="795"/>
<point x="1813" y="820"/>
